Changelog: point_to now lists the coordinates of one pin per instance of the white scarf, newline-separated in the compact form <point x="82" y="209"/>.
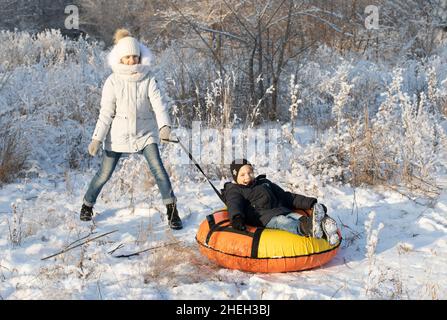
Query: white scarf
<point x="135" y="72"/>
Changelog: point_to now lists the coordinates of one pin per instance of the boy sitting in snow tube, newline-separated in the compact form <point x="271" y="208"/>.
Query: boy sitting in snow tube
<point x="262" y="203"/>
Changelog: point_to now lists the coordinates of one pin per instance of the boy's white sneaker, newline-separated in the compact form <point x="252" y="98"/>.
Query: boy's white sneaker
<point x="330" y="230"/>
<point x="317" y="216"/>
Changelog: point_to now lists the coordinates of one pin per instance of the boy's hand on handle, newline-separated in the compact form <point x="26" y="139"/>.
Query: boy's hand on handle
<point x="238" y="223"/>
<point x="93" y="147"/>
<point x="165" y="134"/>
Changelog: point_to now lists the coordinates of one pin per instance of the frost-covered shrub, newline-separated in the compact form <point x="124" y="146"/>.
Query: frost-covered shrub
<point x="25" y="49"/>
<point x="372" y="279"/>
<point x="320" y="75"/>
<point x="316" y="102"/>
<point x="295" y="100"/>
<point x="423" y="139"/>
<point x="399" y="144"/>
<point x="16" y="224"/>
<point x="51" y="92"/>
<point x="321" y="79"/>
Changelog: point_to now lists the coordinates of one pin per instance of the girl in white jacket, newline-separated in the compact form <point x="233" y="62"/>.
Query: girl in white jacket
<point x="133" y="118"/>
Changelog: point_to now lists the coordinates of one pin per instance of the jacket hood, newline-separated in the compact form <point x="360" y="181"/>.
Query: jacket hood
<point x="134" y="72"/>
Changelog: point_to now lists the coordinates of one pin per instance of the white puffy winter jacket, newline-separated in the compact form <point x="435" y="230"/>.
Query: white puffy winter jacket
<point x="132" y="106"/>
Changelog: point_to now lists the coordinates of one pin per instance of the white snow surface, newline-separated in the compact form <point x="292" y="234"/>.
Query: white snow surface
<point x="406" y="258"/>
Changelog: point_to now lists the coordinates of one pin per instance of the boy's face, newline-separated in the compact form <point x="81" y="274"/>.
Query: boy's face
<point x="130" y="60"/>
<point x="246" y="175"/>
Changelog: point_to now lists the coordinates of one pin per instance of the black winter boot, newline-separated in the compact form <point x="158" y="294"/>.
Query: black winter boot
<point x="86" y="213"/>
<point x="173" y="219"/>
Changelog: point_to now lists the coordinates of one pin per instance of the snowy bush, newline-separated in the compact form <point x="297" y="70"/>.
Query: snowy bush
<point x="372" y="280"/>
<point x="16" y="224"/>
<point x="51" y="93"/>
<point x="400" y="143"/>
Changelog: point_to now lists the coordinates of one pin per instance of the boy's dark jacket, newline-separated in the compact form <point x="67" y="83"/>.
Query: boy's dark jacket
<point x="259" y="202"/>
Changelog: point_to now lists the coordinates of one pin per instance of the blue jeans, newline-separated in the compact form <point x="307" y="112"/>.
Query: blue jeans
<point x="108" y="165"/>
<point x="288" y="222"/>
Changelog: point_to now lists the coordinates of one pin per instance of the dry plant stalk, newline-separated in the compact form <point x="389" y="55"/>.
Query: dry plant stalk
<point x="179" y="263"/>
<point x="12" y="154"/>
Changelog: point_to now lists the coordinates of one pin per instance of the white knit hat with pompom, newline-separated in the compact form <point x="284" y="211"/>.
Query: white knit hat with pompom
<point x="125" y="44"/>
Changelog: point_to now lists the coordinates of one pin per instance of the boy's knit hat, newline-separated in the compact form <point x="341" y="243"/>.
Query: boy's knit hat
<point x="125" y="44"/>
<point x="236" y="165"/>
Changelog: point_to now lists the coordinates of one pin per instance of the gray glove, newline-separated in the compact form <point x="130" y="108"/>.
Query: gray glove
<point x="165" y="134"/>
<point x="93" y="147"/>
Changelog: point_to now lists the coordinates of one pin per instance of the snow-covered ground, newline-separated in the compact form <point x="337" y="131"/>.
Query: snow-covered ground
<point x="406" y="260"/>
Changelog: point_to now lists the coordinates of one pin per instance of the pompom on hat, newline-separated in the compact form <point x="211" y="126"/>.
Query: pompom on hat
<point x="236" y="165"/>
<point x="126" y="45"/>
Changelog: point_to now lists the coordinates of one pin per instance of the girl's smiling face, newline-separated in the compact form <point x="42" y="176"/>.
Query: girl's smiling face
<point x="130" y="60"/>
<point x="245" y="175"/>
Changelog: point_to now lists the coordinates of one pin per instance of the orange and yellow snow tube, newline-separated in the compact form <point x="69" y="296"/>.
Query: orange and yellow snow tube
<point x="260" y="249"/>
